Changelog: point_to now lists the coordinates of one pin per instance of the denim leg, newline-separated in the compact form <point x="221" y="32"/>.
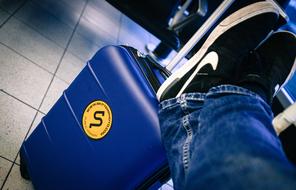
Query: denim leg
<point x="177" y="132"/>
<point x="235" y="146"/>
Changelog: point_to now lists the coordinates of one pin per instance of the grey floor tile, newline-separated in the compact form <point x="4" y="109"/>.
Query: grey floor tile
<point x="103" y="16"/>
<point x="105" y="8"/>
<point x="11" y="5"/>
<point x="21" y="78"/>
<point x="55" y="91"/>
<point x="4" y="169"/>
<point x="15" y="121"/>
<point x="94" y="34"/>
<point x="34" y="125"/>
<point x="85" y="48"/>
<point x="31" y="44"/>
<point x="76" y="4"/>
<point x="16" y="182"/>
<point x="3" y="16"/>
<point x="132" y="34"/>
<point x="68" y="11"/>
<point x="45" y="23"/>
<point x="18" y="159"/>
<point x="36" y="122"/>
<point x="70" y="67"/>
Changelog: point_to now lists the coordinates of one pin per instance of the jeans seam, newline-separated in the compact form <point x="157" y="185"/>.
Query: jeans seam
<point x="168" y="103"/>
<point x="186" y="146"/>
<point x="231" y="90"/>
<point x="175" y="101"/>
<point x="183" y="104"/>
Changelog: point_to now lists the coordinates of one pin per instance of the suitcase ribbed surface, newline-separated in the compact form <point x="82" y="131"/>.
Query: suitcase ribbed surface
<point x="59" y="154"/>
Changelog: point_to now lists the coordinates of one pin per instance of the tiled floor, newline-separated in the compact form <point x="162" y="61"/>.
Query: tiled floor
<point x="43" y="46"/>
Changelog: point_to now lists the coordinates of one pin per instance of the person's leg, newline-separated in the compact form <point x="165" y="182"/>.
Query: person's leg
<point x="236" y="146"/>
<point x="175" y="113"/>
<point x="229" y="141"/>
<point x="192" y="136"/>
<point x="223" y="140"/>
<point x="176" y="117"/>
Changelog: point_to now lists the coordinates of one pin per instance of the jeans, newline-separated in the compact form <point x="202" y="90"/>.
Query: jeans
<point x="223" y="139"/>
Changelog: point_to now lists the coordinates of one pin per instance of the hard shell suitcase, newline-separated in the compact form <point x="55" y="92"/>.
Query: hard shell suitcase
<point x="103" y="132"/>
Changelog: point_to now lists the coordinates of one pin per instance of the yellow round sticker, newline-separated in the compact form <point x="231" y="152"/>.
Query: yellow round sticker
<point x="97" y="119"/>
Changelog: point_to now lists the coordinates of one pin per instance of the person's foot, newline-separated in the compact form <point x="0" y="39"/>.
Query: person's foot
<point x="223" y="50"/>
<point x="270" y="66"/>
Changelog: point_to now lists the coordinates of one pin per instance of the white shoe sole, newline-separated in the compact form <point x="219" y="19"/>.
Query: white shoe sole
<point x="232" y="20"/>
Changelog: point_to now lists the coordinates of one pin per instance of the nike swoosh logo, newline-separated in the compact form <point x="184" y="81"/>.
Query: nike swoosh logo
<point x="211" y="58"/>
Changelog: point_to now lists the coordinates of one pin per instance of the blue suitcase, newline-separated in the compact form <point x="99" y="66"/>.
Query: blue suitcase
<point x="103" y="132"/>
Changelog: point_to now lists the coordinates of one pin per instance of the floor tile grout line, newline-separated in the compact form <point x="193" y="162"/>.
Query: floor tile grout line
<point x="6" y="177"/>
<point x="20" y="54"/>
<point x="105" y="34"/>
<point x="54" y="74"/>
<point x="37" y="4"/>
<point x="14" y="162"/>
<point x="84" y="61"/>
<point x="63" y="80"/>
<point x="42" y="36"/>
<point x="13" y="13"/>
<point x="50" y="13"/>
<point x="28" y="59"/>
<point x="7" y="93"/>
<point x="6" y="159"/>
<point x="33" y="120"/>
<point x="1" y="90"/>
<point x="35" y="30"/>
<point x="9" y="17"/>
<point x="119" y="30"/>
<point x="101" y="29"/>
<point x="70" y="39"/>
<point x="21" y="101"/>
<point x="65" y="50"/>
